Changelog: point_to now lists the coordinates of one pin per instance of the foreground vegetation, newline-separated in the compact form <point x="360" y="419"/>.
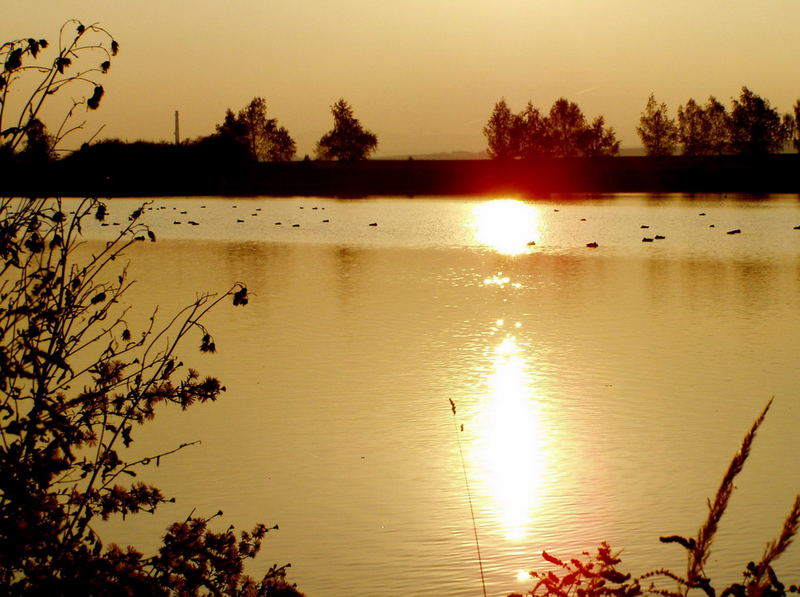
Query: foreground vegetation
<point x="78" y="379"/>
<point x="599" y="575"/>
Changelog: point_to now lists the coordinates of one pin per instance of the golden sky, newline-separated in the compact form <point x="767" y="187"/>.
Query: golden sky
<point x="422" y="74"/>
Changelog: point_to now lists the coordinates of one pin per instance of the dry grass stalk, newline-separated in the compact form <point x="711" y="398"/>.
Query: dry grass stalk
<point x="705" y="536"/>
<point x="775" y="548"/>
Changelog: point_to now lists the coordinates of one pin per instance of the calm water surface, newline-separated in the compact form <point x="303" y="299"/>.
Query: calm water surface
<point x="601" y="391"/>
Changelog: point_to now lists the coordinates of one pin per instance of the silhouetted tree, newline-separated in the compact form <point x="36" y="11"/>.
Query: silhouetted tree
<point x="533" y="134"/>
<point x="348" y="140"/>
<point x="39" y="145"/>
<point x="717" y="131"/>
<point x="796" y="133"/>
<point x="691" y="121"/>
<point x="565" y="125"/>
<point x="502" y="133"/>
<point x="263" y="139"/>
<point x="597" y="140"/>
<point x="266" y="141"/>
<point x="704" y="130"/>
<point x="756" y="127"/>
<point x="656" y="129"/>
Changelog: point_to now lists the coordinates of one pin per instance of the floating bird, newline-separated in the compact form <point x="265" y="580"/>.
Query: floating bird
<point x="702" y="213"/>
<point x="797" y="227"/>
<point x="176" y="222"/>
<point x="711" y="226"/>
<point x="374" y="224"/>
<point x="314" y="208"/>
<point x="555" y="210"/>
<point x="647" y="240"/>
<point x="253" y="214"/>
<point x="239" y="221"/>
<point x="295" y="225"/>
<point x="183" y="212"/>
<point x="325" y="221"/>
<point x="592" y="245"/>
<point x="736" y="231"/>
<point x="278" y="223"/>
<point x="531" y="243"/>
<point x="644" y="226"/>
<point x="193" y="223"/>
<point x="258" y="209"/>
<point x="659" y="237"/>
<point x="202" y="207"/>
<point x="583" y="219"/>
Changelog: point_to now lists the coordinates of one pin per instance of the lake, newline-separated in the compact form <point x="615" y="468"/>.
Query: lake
<point x="602" y="391"/>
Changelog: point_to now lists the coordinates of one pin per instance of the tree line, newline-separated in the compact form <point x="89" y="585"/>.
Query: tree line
<point x="563" y="132"/>
<point x="750" y="127"/>
<point x="262" y="140"/>
<point x="250" y="134"/>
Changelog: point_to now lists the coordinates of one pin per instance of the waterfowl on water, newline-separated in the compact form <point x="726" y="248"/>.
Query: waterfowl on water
<point x="736" y="231"/>
<point x="797" y="227"/>
<point x="374" y="224"/>
<point x="644" y="226"/>
<point x="592" y="245"/>
<point x="660" y="237"/>
<point x="647" y="240"/>
<point x="325" y="221"/>
<point x="239" y="221"/>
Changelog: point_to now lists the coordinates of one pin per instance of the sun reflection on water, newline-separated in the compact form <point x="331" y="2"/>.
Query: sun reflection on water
<point x="509" y="449"/>
<point x="509" y="226"/>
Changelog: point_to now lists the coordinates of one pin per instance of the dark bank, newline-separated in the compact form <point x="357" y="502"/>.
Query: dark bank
<point x="173" y="171"/>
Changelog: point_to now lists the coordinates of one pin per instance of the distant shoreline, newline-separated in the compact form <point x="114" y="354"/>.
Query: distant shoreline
<point x="711" y="174"/>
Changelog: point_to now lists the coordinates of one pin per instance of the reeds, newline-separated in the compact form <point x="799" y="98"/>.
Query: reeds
<point x="759" y="580"/>
<point x="699" y="552"/>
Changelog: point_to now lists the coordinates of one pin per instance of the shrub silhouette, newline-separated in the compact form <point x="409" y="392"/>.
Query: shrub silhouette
<point x="76" y="382"/>
<point x="599" y="576"/>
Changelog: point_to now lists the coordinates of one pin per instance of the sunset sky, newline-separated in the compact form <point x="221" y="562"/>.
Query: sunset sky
<point x="422" y="74"/>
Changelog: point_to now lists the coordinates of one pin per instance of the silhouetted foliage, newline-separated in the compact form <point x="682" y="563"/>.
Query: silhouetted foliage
<point x="261" y="137"/>
<point x="76" y="382"/>
<point x="502" y="133"/>
<point x="656" y="129"/>
<point x="79" y="58"/>
<point x="704" y="130"/>
<point x="796" y="128"/>
<point x="566" y="124"/>
<point x="348" y="140"/>
<point x="756" y="127"/>
<point x="599" y="575"/>
<point x="265" y="140"/>
<point x="562" y="133"/>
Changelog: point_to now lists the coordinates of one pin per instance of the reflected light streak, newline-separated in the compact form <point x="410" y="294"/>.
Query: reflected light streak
<point x="508" y="226"/>
<point x="510" y="450"/>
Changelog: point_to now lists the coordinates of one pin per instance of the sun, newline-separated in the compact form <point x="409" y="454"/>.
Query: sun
<point x="508" y="226"/>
